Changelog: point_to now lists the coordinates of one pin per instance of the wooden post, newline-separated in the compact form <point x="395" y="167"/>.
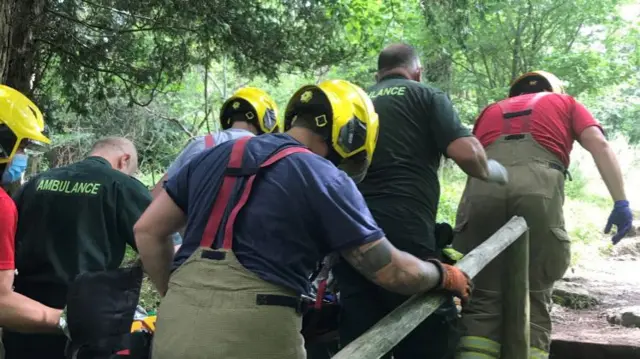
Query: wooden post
<point x="390" y="330"/>
<point x="515" y="311"/>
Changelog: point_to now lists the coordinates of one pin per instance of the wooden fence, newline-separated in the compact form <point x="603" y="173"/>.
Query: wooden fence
<point x="390" y="330"/>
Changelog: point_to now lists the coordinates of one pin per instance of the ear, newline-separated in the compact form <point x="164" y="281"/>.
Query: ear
<point x="418" y="75"/>
<point x="123" y="162"/>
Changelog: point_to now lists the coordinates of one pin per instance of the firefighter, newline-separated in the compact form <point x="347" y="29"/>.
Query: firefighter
<point x="260" y="213"/>
<point x="21" y="127"/>
<point x="418" y="126"/>
<point x="248" y="112"/>
<point x="532" y="133"/>
<point x="71" y="220"/>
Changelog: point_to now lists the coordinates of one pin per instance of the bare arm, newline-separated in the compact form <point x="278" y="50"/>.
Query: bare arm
<point x="162" y="218"/>
<point x="469" y="155"/>
<point x="155" y="191"/>
<point x="592" y="140"/>
<point x="392" y="269"/>
<point x="23" y="314"/>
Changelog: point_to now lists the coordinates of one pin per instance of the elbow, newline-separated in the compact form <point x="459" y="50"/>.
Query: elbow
<point x="141" y="233"/>
<point x="473" y="163"/>
<point x="598" y="147"/>
<point x="469" y="155"/>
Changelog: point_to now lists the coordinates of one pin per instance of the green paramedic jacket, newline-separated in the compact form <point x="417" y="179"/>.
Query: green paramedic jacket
<point x="76" y="219"/>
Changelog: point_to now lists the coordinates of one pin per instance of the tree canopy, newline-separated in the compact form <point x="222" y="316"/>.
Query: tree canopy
<point x="158" y="70"/>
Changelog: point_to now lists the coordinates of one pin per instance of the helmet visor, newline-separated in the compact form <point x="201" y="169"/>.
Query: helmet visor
<point x="8" y="143"/>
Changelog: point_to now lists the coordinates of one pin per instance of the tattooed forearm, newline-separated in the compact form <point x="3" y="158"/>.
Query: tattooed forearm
<point x="369" y="258"/>
<point x="392" y="269"/>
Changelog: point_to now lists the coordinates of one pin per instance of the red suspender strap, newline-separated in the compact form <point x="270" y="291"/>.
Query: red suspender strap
<point x="508" y="114"/>
<point x="228" y="231"/>
<point x="322" y="288"/>
<point x="222" y="199"/>
<point x="208" y="141"/>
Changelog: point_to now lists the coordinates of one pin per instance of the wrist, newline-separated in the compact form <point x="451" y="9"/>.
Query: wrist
<point x="441" y="272"/>
<point x="52" y="318"/>
<point x="621" y="203"/>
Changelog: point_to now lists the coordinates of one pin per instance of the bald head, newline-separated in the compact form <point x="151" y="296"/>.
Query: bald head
<point x="119" y="151"/>
<point x="400" y="59"/>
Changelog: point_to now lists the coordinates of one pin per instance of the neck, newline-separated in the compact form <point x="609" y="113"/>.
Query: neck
<point x="399" y="71"/>
<point x="310" y="139"/>
<point x="105" y="157"/>
<point x="241" y="125"/>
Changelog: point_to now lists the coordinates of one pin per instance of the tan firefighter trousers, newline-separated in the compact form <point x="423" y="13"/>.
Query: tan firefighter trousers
<point x="211" y="312"/>
<point x="536" y="192"/>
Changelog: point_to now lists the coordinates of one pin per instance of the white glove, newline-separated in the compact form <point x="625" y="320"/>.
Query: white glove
<point x="497" y="172"/>
<point x="62" y="323"/>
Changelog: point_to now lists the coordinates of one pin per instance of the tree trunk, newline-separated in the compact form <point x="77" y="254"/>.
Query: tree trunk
<point x="6" y="12"/>
<point x="25" y="18"/>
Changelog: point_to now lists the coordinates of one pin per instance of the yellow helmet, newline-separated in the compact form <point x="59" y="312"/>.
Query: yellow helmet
<point x="345" y="116"/>
<point x="536" y="81"/>
<point x="20" y="121"/>
<point x="252" y="102"/>
<point x="148" y="324"/>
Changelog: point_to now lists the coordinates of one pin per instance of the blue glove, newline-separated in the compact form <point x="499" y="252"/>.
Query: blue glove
<point x="622" y="217"/>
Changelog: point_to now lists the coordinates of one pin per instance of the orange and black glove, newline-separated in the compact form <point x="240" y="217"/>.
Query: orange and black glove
<point x="453" y="280"/>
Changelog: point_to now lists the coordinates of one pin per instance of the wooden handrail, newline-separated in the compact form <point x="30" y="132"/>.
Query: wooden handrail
<point x="390" y="330"/>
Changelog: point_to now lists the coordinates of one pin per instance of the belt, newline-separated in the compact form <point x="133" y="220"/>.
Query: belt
<point x="560" y="168"/>
<point x="298" y="303"/>
<point x="551" y="165"/>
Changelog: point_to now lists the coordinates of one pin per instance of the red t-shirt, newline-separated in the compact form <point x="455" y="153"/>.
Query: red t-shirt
<point x="8" y="225"/>
<point x="556" y="122"/>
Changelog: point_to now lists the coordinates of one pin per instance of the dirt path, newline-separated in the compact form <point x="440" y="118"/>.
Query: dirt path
<point x="614" y="280"/>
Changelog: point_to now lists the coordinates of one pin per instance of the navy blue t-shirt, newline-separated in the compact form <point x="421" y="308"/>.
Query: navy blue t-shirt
<point x="300" y="209"/>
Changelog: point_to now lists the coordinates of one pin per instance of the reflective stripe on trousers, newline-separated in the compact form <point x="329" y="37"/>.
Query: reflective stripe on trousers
<point x="477" y="347"/>
<point x="484" y="348"/>
<point x="536" y="192"/>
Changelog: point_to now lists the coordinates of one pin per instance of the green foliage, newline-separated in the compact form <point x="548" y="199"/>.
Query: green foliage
<point x="98" y="50"/>
<point x="101" y="58"/>
<point x="575" y="188"/>
<point x="618" y="108"/>
<point x="452" y="181"/>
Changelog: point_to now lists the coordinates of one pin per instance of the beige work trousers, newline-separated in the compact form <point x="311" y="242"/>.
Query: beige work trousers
<point x="536" y="192"/>
<point x="210" y="312"/>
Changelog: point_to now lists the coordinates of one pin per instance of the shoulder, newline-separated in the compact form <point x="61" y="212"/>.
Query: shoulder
<point x="195" y="145"/>
<point x="430" y="95"/>
<point x="424" y="89"/>
<point x="7" y="206"/>
<point x="129" y="183"/>
<point x="560" y="100"/>
<point x="490" y="109"/>
<point x="314" y="168"/>
<point x="8" y="209"/>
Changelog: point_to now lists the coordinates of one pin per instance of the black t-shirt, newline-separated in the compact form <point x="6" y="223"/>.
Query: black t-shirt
<point x="76" y="219"/>
<point x="417" y="124"/>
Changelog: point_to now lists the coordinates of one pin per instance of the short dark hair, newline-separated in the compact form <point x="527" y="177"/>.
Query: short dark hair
<point x="240" y="117"/>
<point x="308" y="120"/>
<point x="397" y="55"/>
<point x="305" y="120"/>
